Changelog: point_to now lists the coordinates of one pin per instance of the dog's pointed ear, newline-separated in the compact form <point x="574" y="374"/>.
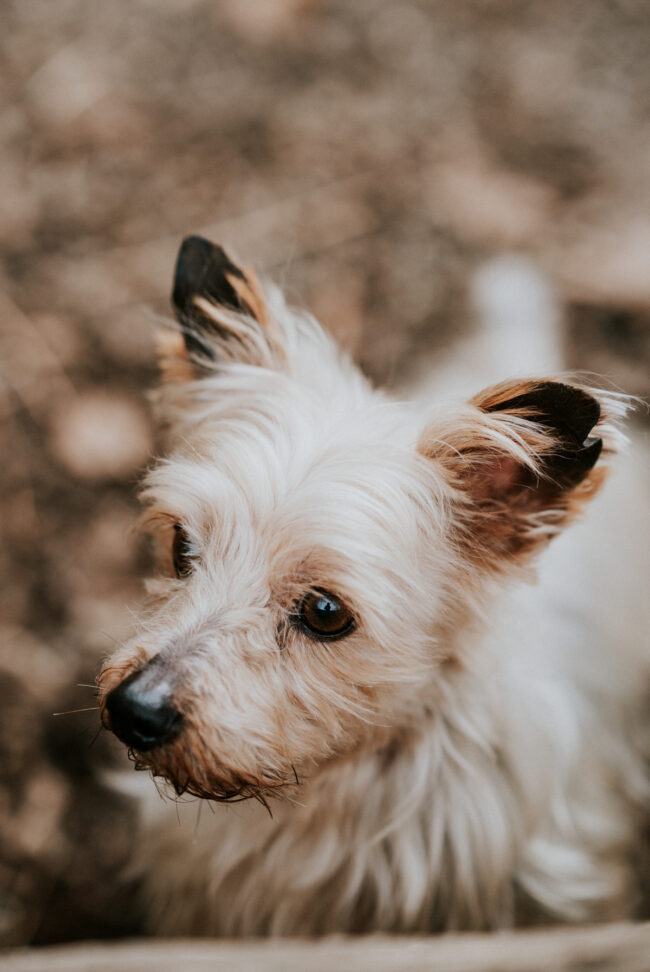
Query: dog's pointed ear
<point x="221" y="309"/>
<point x="521" y="460"/>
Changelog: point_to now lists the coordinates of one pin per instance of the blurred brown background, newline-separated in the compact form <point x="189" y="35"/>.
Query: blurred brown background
<point x="369" y="156"/>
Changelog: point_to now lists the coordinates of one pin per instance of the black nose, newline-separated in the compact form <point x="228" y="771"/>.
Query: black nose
<point x="141" y="712"/>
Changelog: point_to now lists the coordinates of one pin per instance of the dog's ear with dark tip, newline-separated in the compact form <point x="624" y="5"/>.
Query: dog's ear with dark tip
<point x="211" y="296"/>
<point x="522" y="462"/>
<point x="204" y="270"/>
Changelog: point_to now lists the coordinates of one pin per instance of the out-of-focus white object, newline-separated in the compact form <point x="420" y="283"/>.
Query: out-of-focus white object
<point x="518" y="332"/>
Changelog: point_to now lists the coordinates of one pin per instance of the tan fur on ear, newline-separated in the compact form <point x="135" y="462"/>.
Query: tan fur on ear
<point x="262" y="345"/>
<point x="251" y="294"/>
<point x="174" y="361"/>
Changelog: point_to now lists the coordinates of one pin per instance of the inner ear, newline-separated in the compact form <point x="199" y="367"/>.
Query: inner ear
<point x="209" y="293"/>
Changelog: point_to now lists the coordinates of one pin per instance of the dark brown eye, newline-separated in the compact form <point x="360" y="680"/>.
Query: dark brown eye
<point x="324" y="615"/>
<point x="183" y="552"/>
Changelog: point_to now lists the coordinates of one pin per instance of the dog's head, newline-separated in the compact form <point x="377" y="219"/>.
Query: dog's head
<point x="322" y="545"/>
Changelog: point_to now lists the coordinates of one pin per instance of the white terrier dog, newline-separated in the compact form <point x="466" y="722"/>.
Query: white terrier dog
<point x="347" y="621"/>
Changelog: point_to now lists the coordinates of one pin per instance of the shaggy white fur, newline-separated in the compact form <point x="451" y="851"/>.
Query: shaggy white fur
<point x="468" y="753"/>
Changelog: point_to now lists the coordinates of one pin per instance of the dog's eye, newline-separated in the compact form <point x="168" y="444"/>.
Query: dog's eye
<point x="324" y="615"/>
<point x="183" y="552"/>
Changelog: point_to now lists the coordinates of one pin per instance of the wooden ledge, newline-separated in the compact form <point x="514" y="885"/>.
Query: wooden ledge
<point x="615" y="948"/>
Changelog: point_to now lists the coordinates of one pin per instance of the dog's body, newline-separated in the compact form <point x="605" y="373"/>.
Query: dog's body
<point x="355" y="627"/>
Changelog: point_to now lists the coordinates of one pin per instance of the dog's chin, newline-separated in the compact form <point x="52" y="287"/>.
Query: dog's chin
<point x="219" y="783"/>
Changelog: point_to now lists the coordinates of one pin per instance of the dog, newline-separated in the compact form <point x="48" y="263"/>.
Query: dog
<point x="402" y="715"/>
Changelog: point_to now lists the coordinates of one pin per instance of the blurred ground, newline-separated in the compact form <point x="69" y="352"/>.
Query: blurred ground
<point x="367" y="155"/>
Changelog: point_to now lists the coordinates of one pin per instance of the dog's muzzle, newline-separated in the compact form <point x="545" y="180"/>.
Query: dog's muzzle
<point x="141" y="711"/>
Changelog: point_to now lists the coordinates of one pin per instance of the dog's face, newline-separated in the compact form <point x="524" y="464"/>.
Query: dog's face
<point x="321" y="546"/>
